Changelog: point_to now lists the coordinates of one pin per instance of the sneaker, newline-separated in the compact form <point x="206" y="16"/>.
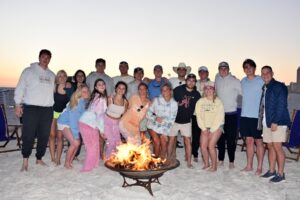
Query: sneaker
<point x="178" y="145"/>
<point x="195" y="159"/>
<point x="269" y="174"/>
<point x="278" y="179"/>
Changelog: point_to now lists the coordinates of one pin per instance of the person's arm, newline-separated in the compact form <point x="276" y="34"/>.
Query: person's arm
<point x="280" y="103"/>
<point x="171" y="119"/>
<point x="219" y="119"/>
<point x="200" y="120"/>
<point x="19" y="93"/>
<point x="151" y="115"/>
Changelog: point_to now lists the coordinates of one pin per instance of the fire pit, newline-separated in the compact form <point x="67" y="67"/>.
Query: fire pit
<point x="137" y="163"/>
<point x="143" y="178"/>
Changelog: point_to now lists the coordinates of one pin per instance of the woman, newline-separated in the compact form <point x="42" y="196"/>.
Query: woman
<point x="62" y="94"/>
<point x="161" y="116"/>
<point x="210" y="118"/>
<point x="117" y="105"/>
<point x="68" y="121"/>
<point x="91" y="124"/>
<point x="79" y="79"/>
<point x="130" y="121"/>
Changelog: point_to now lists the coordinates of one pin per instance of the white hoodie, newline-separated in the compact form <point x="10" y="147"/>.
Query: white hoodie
<point x="35" y="87"/>
<point x="229" y="90"/>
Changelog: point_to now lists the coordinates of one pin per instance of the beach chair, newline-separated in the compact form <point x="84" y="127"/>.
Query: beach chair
<point x="293" y="143"/>
<point x="8" y="131"/>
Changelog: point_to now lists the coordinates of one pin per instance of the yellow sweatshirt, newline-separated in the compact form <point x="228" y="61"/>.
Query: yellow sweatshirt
<point x="210" y="114"/>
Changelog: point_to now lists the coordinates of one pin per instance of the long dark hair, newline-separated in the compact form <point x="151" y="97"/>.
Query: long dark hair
<point x="78" y="71"/>
<point x="122" y="83"/>
<point x="95" y="91"/>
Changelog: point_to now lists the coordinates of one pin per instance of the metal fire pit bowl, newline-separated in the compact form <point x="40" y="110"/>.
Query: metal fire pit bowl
<point x="143" y="178"/>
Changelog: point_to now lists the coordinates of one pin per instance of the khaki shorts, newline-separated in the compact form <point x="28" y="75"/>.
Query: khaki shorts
<point x="185" y="129"/>
<point x="279" y="135"/>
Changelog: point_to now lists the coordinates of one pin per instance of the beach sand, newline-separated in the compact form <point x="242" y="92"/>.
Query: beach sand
<point x="53" y="182"/>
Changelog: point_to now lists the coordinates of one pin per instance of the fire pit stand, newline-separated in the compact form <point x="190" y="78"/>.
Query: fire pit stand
<point x="144" y="182"/>
<point x="143" y="178"/>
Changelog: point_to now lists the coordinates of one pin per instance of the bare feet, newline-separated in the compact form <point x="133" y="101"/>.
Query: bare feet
<point x="24" y="165"/>
<point x="258" y="172"/>
<point x="231" y="165"/>
<point x="212" y="169"/>
<point x="205" y="167"/>
<point x="57" y="162"/>
<point x="190" y="166"/>
<point x="247" y="169"/>
<point x="68" y="166"/>
<point x="221" y="163"/>
<point x="40" y="162"/>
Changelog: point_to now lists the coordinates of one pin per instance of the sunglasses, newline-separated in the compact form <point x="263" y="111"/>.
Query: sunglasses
<point x="140" y="108"/>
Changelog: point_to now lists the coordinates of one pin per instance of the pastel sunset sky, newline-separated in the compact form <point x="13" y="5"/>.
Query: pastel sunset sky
<point x="145" y="33"/>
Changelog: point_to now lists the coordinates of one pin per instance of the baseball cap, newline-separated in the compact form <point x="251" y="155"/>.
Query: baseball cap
<point x="158" y="67"/>
<point x="223" y="64"/>
<point x="202" y="68"/>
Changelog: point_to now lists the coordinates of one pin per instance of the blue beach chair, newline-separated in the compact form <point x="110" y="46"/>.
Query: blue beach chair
<point x="294" y="137"/>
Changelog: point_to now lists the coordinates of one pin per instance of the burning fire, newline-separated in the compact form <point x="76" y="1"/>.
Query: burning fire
<point x="133" y="157"/>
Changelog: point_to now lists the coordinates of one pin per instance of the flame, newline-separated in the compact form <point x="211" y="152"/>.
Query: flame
<point x="131" y="156"/>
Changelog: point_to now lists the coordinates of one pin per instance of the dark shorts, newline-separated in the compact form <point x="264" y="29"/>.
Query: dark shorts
<point x="248" y="128"/>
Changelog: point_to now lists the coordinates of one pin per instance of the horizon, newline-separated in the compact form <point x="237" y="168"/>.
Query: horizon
<point x="147" y="33"/>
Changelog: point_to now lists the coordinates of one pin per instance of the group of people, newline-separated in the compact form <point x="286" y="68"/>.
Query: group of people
<point x="101" y="112"/>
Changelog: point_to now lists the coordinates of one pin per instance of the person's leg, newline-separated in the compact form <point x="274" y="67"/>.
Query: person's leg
<point x="156" y="142"/>
<point x="231" y="138"/>
<point x="271" y="157"/>
<point x="52" y="141"/>
<point x="43" y="131"/>
<point x="59" y="146"/>
<point x="86" y="134"/>
<point x="221" y="148"/>
<point x="188" y="150"/>
<point x="96" y="152"/>
<point x="172" y="141"/>
<point x="164" y="146"/>
<point x="195" y="138"/>
<point x="204" y="148"/>
<point x="260" y="152"/>
<point x="69" y="136"/>
<point x="212" y="141"/>
<point x="30" y="124"/>
<point x="101" y="146"/>
<point x="79" y="147"/>
<point x="280" y="157"/>
<point x="249" y="153"/>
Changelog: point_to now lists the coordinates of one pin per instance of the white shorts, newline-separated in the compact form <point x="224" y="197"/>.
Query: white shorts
<point x="61" y="127"/>
<point x="279" y="135"/>
<point x="185" y="129"/>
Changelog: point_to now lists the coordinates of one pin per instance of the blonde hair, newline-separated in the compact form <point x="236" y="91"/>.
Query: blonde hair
<point x="74" y="100"/>
<point x="59" y="73"/>
<point x="214" y="95"/>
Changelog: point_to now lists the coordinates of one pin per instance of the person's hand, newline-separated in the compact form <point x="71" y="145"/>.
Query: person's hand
<point x="274" y="127"/>
<point x="158" y="119"/>
<point x="19" y="110"/>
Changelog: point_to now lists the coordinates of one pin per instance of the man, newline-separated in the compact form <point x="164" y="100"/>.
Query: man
<point x="34" y="101"/>
<point x="251" y="88"/>
<point x="187" y="97"/>
<point x="93" y="76"/>
<point x="138" y="74"/>
<point x="155" y="84"/>
<point x="229" y="90"/>
<point x="274" y="119"/>
<point x="123" y="67"/>
<point x="196" y="131"/>
<point x="181" y="70"/>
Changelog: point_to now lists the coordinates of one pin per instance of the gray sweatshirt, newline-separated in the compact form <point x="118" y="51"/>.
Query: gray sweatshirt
<point x="35" y="86"/>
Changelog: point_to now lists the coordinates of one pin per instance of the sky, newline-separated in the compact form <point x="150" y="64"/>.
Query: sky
<point x="145" y="33"/>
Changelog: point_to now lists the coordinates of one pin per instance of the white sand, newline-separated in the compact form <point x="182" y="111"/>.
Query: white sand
<point x="182" y="183"/>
